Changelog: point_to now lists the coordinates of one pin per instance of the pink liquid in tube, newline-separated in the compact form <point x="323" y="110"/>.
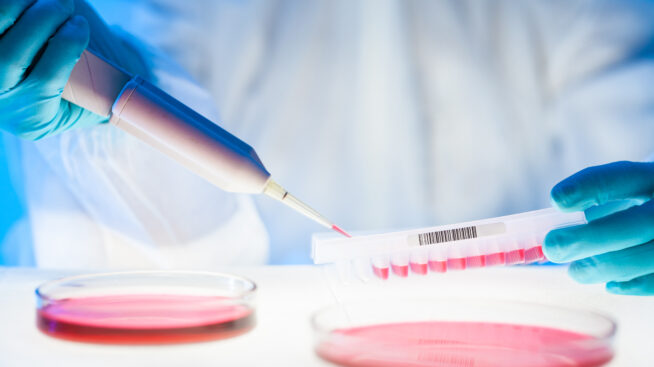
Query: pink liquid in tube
<point x="145" y="319"/>
<point x="418" y="268"/>
<point x="380" y="272"/>
<point x="456" y="263"/>
<point x="438" y="266"/>
<point x="498" y="258"/>
<point x="339" y="230"/>
<point x="515" y="257"/>
<point x="534" y="254"/>
<point x="462" y="344"/>
<point x="520" y="256"/>
<point x="475" y="261"/>
<point x="400" y="270"/>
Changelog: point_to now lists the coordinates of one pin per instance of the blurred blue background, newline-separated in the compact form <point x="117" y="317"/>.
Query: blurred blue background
<point x="13" y="224"/>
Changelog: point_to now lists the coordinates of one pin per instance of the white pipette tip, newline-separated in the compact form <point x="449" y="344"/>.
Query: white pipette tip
<point x="277" y="192"/>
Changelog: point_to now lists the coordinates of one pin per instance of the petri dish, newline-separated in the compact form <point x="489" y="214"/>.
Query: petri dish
<point x="149" y="307"/>
<point x="458" y="333"/>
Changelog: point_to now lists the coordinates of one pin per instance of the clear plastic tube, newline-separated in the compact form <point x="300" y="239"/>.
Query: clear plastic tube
<point x="508" y="240"/>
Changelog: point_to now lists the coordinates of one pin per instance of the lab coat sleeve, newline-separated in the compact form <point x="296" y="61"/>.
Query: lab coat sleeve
<point x="99" y="198"/>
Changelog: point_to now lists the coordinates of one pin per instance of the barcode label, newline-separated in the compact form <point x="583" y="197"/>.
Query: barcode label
<point x="456" y="234"/>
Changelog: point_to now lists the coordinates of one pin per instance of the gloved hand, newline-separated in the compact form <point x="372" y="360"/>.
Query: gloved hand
<point x="616" y="247"/>
<point x="40" y="43"/>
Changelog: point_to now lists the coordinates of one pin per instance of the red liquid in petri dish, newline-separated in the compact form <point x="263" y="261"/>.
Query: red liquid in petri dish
<point x="454" y="344"/>
<point x="145" y="319"/>
<point x="418" y="268"/>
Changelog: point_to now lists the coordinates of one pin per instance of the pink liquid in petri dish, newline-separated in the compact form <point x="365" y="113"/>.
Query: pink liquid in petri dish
<point x="515" y="257"/>
<point x="498" y="258"/>
<point x="475" y="261"/>
<point x="400" y="270"/>
<point x="464" y="344"/>
<point x="418" y="268"/>
<point x="534" y="254"/>
<point x="380" y="272"/>
<point x="438" y="266"/>
<point x="456" y="263"/>
<point x="145" y="319"/>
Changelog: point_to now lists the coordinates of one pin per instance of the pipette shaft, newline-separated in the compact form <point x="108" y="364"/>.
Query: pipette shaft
<point x="146" y="112"/>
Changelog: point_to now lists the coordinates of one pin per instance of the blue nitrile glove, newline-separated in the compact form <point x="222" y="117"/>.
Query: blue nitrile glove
<point x="616" y="247"/>
<point x="40" y="42"/>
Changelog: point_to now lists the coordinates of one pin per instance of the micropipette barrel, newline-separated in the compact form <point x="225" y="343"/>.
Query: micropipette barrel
<point x="508" y="240"/>
<point x="146" y="112"/>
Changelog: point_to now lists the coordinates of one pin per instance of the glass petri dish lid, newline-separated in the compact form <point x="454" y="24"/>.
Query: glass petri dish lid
<point x="458" y="333"/>
<point x="147" y="307"/>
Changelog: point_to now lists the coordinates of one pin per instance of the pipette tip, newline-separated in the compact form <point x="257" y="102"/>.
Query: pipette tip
<point x="339" y="230"/>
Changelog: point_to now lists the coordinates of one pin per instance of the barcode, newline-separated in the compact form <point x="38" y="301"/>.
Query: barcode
<point x="448" y="235"/>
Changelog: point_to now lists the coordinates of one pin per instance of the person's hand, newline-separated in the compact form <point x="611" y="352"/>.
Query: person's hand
<point x="616" y="247"/>
<point x="40" y="42"/>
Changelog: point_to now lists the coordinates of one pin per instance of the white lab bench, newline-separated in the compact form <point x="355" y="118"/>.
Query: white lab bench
<point x="287" y="297"/>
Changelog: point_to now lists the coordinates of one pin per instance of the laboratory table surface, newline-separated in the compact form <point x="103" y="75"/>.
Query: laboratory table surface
<point x="289" y="295"/>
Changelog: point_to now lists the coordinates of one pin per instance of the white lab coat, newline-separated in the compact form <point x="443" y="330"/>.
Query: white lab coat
<point x="379" y="113"/>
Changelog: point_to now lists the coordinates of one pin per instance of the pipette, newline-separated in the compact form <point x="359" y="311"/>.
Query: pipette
<point x="508" y="240"/>
<point x="146" y="112"/>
